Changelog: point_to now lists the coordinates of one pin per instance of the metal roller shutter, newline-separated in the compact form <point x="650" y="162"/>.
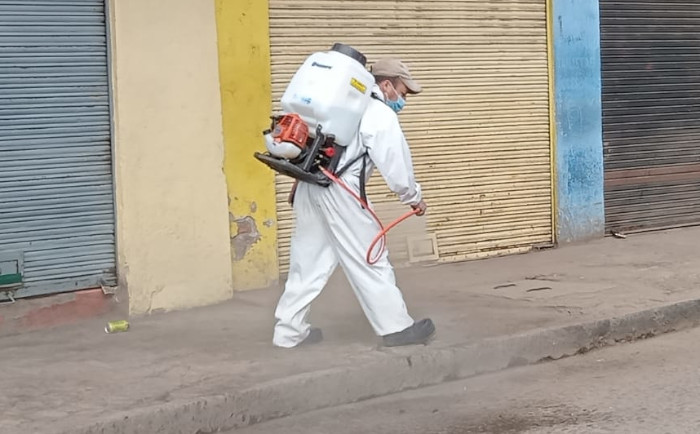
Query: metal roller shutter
<point x="651" y="113"/>
<point x="56" y="200"/>
<point x="479" y="132"/>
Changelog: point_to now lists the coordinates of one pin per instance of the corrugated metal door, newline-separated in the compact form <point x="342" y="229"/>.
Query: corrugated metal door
<point x="479" y="132"/>
<point x="56" y="206"/>
<point x="651" y="113"/>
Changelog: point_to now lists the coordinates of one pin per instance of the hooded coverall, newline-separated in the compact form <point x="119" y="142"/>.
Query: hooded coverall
<point x="332" y="228"/>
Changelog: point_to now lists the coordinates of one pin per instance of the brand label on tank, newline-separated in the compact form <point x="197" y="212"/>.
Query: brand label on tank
<point x="357" y="84"/>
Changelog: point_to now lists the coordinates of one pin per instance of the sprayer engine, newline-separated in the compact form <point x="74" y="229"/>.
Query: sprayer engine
<point x="293" y="153"/>
<point x="288" y="137"/>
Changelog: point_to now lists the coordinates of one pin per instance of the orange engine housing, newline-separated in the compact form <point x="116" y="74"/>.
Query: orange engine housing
<point x="291" y="128"/>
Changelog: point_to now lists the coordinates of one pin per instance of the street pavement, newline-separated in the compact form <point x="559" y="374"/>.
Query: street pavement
<point x="646" y="387"/>
<point x="174" y="371"/>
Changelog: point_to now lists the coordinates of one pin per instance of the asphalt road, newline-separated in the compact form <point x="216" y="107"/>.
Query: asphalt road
<point x="651" y="386"/>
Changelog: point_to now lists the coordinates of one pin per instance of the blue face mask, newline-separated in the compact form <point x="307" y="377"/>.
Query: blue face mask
<point x="397" y="105"/>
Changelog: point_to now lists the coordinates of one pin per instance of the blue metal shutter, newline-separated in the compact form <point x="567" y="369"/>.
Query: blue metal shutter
<point x="56" y="192"/>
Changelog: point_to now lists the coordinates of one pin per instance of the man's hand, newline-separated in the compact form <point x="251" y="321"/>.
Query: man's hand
<point x="421" y="207"/>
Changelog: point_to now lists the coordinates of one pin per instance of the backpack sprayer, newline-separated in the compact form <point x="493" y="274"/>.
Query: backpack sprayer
<point x="322" y="108"/>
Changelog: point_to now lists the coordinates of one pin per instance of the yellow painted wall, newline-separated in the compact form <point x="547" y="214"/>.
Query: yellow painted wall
<point x="172" y="216"/>
<point x="244" y="67"/>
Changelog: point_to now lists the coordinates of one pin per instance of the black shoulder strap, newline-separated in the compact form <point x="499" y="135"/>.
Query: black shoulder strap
<point x="363" y="157"/>
<point x="363" y="174"/>
<point x="342" y="170"/>
<point x="349" y="164"/>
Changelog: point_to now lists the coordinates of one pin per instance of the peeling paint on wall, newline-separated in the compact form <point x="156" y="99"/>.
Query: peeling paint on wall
<point x="247" y="235"/>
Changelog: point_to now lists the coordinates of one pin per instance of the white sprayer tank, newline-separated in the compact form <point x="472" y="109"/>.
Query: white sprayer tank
<point x="332" y="88"/>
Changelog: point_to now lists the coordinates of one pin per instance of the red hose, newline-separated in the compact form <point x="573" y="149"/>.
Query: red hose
<point x="381" y="236"/>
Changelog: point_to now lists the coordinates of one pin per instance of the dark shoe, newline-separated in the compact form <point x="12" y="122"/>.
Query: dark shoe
<point x="419" y="333"/>
<point x="315" y="336"/>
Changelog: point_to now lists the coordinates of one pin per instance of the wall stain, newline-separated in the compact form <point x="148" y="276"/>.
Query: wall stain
<point x="247" y="235"/>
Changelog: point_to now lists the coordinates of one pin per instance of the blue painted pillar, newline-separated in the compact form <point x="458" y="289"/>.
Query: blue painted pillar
<point x="578" y="158"/>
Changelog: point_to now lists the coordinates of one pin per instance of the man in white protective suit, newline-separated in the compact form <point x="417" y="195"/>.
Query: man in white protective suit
<point x="333" y="228"/>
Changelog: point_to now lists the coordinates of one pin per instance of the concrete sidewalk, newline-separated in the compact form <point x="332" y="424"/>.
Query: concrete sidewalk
<point x="213" y="368"/>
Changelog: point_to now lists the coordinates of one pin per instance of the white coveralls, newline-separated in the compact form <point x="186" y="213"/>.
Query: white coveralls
<point x="332" y="228"/>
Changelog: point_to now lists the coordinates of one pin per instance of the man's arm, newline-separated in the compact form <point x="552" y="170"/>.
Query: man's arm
<point x="388" y="149"/>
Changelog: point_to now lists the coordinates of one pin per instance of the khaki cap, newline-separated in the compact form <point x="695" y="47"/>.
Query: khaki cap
<point x="395" y="68"/>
